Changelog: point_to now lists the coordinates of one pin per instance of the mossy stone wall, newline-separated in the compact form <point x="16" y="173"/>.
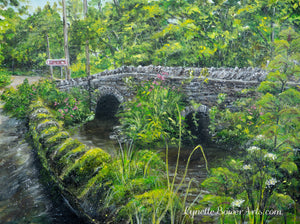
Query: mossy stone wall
<point x="89" y="177"/>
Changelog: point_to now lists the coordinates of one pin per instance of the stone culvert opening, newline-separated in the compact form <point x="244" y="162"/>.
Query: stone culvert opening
<point x="107" y="107"/>
<point x="200" y="128"/>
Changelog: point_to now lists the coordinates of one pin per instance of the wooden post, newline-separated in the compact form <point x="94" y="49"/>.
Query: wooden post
<point x="66" y="47"/>
<point x="61" y="72"/>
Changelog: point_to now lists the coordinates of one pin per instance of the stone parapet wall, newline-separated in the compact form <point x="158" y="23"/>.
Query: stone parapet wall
<point x="241" y="74"/>
<point x="220" y="80"/>
<point x="245" y="74"/>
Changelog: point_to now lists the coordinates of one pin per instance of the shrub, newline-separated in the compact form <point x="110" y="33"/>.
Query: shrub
<point x="70" y="107"/>
<point x="5" y="78"/>
<point x="153" y="115"/>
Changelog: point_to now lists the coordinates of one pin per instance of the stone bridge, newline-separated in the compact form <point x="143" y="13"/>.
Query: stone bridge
<point x="112" y="83"/>
<point x="109" y="88"/>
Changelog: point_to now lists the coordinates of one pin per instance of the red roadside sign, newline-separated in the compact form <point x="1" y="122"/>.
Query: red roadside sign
<point x="57" y="62"/>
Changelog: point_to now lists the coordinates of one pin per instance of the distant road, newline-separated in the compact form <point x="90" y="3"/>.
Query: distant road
<point x="17" y="80"/>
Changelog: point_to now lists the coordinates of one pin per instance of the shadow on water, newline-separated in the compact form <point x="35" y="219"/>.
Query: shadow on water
<point x="23" y="199"/>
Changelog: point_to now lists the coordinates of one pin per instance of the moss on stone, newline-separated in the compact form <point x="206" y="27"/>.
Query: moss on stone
<point x="46" y="124"/>
<point x="53" y="142"/>
<point x="67" y="160"/>
<point x="86" y="167"/>
<point x="49" y="132"/>
<point x="103" y="179"/>
<point x="65" y="147"/>
<point x="36" y="105"/>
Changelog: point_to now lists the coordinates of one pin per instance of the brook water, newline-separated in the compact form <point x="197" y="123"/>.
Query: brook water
<point x="97" y="132"/>
<point x="23" y="199"/>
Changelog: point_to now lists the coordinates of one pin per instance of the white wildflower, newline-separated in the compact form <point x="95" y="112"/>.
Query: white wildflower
<point x="271" y="182"/>
<point x="270" y="156"/>
<point x="253" y="149"/>
<point x="247" y="167"/>
<point x="237" y="203"/>
<point x="259" y="137"/>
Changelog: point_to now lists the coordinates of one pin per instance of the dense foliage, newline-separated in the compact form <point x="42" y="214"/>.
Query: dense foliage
<point x="152" y="117"/>
<point x="266" y="130"/>
<point x="69" y="107"/>
<point x="141" y="32"/>
<point x="5" y="78"/>
<point x="263" y="130"/>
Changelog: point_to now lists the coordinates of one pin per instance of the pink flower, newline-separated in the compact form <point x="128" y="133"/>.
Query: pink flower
<point x="162" y="78"/>
<point x="173" y="87"/>
<point x="66" y="100"/>
<point x="152" y="86"/>
<point x="66" y="110"/>
<point x="71" y="115"/>
<point x="261" y="113"/>
<point x="75" y="108"/>
<point x="139" y="105"/>
<point x="165" y="73"/>
<point x="60" y="110"/>
<point x="156" y="83"/>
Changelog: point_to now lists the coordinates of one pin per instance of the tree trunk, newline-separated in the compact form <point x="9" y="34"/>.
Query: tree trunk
<point x="87" y="53"/>
<point x="49" y="55"/>
<point x="66" y="47"/>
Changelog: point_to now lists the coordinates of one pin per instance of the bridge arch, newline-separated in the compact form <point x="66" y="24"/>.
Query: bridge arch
<point x="108" y="100"/>
<point x="197" y="120"/>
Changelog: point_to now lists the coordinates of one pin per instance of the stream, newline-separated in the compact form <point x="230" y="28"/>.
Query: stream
<point x="23" y="199"/>
<point x="97" y="133"/>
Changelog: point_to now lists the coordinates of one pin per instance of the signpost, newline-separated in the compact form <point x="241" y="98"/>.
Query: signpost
<point x="58" y="62"/>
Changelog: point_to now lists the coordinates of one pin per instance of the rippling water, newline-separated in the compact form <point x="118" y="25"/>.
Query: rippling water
<point x="23" y="199"/>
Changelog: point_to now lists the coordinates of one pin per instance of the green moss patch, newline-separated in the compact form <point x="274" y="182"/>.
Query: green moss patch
<point x="49" y="132"/>
<point x="46" y="124"/>
<point x="65" y="147"/>
<point x="54" y="141"/>
<point x="86" y="167"/>
<point x="37" y="105"/>
<point x="67" y="160"/>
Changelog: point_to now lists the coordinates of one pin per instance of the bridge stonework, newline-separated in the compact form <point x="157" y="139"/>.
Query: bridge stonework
<point x="109" y="88"/>
<point x="220" y="80"/>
